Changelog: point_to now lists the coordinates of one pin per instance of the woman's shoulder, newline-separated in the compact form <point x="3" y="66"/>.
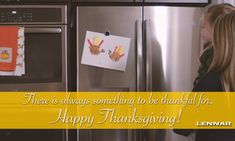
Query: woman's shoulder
<point x="209" y="83"/>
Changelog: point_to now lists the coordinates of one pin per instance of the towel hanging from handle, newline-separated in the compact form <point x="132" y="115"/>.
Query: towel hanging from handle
<point x="8" y="47"/>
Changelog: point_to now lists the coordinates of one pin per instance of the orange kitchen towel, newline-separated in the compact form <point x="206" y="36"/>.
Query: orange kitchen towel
<point x="8" y="47"/>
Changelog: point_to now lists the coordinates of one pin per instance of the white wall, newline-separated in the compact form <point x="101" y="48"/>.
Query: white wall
<point x="223" y="1"/>
<point x="230" y="1"/>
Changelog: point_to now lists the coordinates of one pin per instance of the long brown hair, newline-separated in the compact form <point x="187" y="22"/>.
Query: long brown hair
<point x="224" y="50"/>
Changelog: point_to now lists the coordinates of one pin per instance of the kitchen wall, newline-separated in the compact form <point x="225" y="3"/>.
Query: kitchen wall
<point x="224" y="1"/>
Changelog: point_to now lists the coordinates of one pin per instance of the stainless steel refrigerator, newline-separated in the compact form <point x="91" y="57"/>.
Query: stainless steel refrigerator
<point x="165" y="45"/>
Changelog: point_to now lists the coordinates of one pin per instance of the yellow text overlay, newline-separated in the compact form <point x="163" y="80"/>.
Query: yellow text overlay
<point x="117" y="110"/>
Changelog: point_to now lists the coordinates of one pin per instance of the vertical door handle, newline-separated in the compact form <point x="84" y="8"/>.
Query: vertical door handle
<point x="148" y="47"/>
<point x="139" y="58"/>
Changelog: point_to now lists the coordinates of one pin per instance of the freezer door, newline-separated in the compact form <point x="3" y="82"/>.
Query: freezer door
<point x="119" y="21"/>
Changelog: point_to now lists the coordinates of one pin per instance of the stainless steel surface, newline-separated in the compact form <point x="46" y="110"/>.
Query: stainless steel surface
<point x="112" y="19"/>
<point x="62" y="9"/>
<point x="119" y="89"/>
<point x="43" y="30"/>
<point x="52" y="86"/>
<point x="149" y="55"/>
<point x="172" y="47"/>
<point x="178" y="1"/>
<point x="140" y="72"/>
<point x="174" y="42"/>
<point x="168" y="56"/>
<point x="120" y="21"/>
<point x="37" y="29"/>
<point x="31" y="135"/>
<point x="36" y="1"/>
<point x="104" y="0"/>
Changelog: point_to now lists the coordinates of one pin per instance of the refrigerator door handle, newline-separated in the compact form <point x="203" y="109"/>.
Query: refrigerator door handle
<point x="148" y="50"/>
<point x="139" y="58"/>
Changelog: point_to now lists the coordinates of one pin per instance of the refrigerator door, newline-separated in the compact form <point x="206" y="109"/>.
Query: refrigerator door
<point x="119" y="21"/>
<point x="172" y="43"/>
<point x="173" y="46"/>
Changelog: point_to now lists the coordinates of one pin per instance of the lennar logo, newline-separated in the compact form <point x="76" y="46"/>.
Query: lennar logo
<point x="214" y="123"/>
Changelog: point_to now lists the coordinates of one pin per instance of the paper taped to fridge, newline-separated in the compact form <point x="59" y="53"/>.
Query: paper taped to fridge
<point x="110" y="52"/>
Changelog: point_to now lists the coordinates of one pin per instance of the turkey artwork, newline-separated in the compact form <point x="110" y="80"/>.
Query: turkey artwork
<point x="95" y="46"/>
<point x="105" y="51"/>
<point x="117" y="54"/>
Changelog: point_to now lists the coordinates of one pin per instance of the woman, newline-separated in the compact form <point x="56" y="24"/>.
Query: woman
<point x="221" y="73"/>
<point x="222" y="66"/>
<point x="207" y="24"/>
<point x="200" y="83"/>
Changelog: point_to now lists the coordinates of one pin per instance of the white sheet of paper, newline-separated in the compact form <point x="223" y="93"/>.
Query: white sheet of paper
<point x="110" y="52"/>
